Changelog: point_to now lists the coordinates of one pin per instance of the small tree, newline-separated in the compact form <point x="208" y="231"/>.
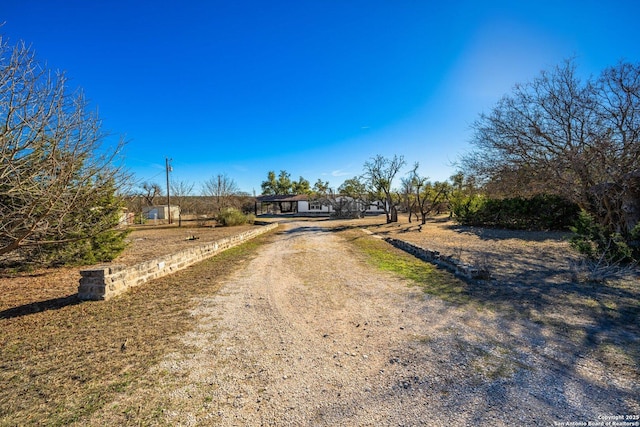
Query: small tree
<point x="328" y="197"/>
<point x="356" y="190"/>
<point x="221" y="189"/>
<point x="59" y="182"/>
<point x="425" y="197"/>
<point x="465" y="197"/>
<point x="379" y="173"/>
<point x="181" y="191"/>
<point x="408" y="194"/>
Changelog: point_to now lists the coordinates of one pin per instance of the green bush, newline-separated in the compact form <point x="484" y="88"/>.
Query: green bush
<point x="230" y="217"/>
<point x="598" y="244"/>
<point x="104" y="247"/>
<point x="463" y="208"/>
<point x="542" y="212"/>
<point x="80" y="248"/>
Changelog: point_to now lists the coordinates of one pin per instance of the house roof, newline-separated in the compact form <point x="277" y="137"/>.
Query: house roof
<point x="283" y="198"/>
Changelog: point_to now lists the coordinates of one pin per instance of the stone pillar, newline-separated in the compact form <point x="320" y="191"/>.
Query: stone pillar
<point x="95" y="283"/>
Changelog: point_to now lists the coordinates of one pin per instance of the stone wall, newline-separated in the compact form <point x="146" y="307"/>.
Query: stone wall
<point x="450" y="263"/>
<point x="107" y="281"/>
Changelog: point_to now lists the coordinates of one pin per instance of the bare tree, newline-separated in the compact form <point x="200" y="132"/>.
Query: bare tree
<point x="350" y="201"/>
<point x="58" y="178"/>
<point x="379" y="173"/>
<point x="355" y="190"/>
<point x="181" y="191"/>
<point x="151" y="190"/>
<point x="221" y="188"/>
<point x="577" y="139"/>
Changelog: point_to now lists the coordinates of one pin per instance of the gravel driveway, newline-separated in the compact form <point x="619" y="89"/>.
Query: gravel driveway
<point x="309" y="334"/>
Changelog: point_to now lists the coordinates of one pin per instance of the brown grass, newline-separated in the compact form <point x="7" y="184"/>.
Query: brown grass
<point x="61" y="361"/>
<point x="533" y="279"/>
<point x="43" y="288"/>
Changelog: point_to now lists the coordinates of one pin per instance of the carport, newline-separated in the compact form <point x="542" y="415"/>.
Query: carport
<point x="278" y="203"/>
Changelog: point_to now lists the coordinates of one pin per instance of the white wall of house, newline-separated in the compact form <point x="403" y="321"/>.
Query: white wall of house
<point x="305" y="206"/>
<point x="375" y="208"/>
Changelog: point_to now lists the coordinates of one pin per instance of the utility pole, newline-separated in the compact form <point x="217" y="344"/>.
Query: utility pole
<point x="168" y="168"/>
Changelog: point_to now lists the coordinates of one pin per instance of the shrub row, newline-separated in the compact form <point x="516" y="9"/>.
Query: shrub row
<point x="542" y="212"/>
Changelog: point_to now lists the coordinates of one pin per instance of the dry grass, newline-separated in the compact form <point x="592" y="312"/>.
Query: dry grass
<point x="533" y="280"/>
<point x="47" y="288"/>
<point x="61" y="361"/>
<point x="147" y="242"/>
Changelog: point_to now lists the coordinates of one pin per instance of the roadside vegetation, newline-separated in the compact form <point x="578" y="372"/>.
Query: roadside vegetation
<point x="433" y="281"/>
<point x="230" y="217"/>
<point x="557" y="153"/>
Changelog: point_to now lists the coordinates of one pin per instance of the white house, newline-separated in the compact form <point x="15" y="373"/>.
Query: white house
<point x="304" y="205"/>
<point x="341" y="202"/>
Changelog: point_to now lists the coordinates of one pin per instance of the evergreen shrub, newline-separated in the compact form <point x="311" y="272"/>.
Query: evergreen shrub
<point x="542" y="212"/>
<point x="230" y="217"/>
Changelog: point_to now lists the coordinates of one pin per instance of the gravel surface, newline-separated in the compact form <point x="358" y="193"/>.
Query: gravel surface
<point x="309" y="334"/>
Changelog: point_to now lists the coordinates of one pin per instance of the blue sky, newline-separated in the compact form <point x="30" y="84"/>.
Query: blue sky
<point x="315" y="87"/>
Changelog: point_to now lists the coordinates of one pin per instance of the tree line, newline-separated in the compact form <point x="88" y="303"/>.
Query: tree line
<point x="416" y="195"/>
<point x="215" y="195"/>
<point x="558" y="151"/>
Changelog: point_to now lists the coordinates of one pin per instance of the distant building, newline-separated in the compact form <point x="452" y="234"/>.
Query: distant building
<point x="160" y="212"/>
<point x="303" y="205"/>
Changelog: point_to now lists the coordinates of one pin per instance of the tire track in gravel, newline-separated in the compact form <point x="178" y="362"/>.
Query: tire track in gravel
<point x="297" y="324"/>
<point x="308" y="334"/>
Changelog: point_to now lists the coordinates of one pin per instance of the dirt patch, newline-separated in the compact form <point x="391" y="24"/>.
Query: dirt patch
<point x="150" y="242"/>
<point x="45" y="288"/>
<point x="522" y="256"/>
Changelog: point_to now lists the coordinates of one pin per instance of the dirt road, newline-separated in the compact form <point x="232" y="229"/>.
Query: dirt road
<point x="309" y="334"/>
